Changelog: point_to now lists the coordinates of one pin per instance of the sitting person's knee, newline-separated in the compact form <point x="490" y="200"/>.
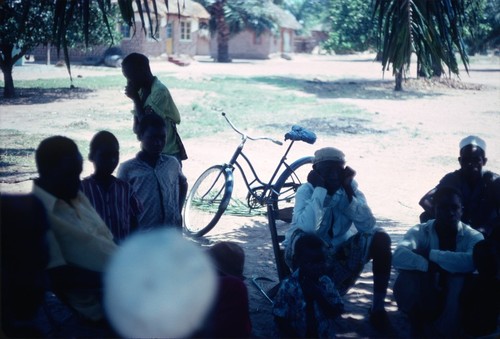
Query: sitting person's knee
<point x="381" y="240"/>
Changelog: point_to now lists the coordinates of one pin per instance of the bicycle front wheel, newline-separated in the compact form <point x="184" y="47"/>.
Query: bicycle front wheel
<point x="286" y="187"/>
<point x="207" y="200"/>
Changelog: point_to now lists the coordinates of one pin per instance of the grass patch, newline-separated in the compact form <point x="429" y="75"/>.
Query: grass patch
<point x="259" y="105"/>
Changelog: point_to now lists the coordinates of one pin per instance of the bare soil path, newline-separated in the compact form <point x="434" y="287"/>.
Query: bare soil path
<point x="409" y="143"/>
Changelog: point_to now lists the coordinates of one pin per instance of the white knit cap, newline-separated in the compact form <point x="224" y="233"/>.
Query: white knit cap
<point x="473" y="140"/>
<point x="159" y="285"/>
<point x="328" y="153"/>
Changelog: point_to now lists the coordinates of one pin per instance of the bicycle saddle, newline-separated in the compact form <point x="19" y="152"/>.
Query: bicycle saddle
<point x="299" y="133"/>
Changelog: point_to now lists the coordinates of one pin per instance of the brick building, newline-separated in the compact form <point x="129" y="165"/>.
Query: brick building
<point x="184" y="33"/>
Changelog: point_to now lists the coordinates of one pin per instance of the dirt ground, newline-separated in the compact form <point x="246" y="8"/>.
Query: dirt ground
<point x="408" y="144"/>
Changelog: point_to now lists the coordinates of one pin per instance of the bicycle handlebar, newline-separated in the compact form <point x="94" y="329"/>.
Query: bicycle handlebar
<point x="243" y="135"/>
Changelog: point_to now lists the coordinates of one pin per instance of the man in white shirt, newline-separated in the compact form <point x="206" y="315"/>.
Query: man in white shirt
<point x="329" y="205"/>
<point x="433" y="259"/>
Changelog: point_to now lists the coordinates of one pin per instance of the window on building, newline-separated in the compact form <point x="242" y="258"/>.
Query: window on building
<point x="125" y="31"/>
<point x="185" y="31"/>
<point x="156" y="30"/>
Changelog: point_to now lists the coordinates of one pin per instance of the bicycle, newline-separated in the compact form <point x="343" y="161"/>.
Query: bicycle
<point x="211" y="193"/>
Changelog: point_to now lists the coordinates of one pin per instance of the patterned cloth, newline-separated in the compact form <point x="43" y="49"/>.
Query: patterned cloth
<point x="346" y="263"/>
<point x="161" y="103"/>
<point x="157" y="189"/>
<point x="290" y="304"/>
<point x="117" y="206"/>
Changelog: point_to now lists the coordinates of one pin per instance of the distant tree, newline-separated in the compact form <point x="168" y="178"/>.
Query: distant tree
<point x="98" y="32"/>
<point x="479" y="23"/>
<point x="23" y="25"/>
<point x="309" y="13"/>
<point x="430" y="29"/>
<point x="229" y="17"/>
<point x="352" y="27"/>
<point x="28" y="23"/>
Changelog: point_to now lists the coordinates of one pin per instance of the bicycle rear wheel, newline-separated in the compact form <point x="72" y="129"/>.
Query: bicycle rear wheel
<point x="207" y="200"/>
<point x="286" y="187"/>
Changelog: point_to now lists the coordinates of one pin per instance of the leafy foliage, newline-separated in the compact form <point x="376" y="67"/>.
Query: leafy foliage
<point x="352" y="28"/>
<point x="482" y="19"/>
<point x="230" y="17"/>
<point x="241" y="14"/>
<point x="23" y="25"/>
<point x="98" y="33"/>
<point x="309" y="13"/>
<point x="430" y="29"/>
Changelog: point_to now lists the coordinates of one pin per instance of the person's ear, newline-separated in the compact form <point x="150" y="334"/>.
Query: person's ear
<point x="485" y="160"/>
<point x="91" y="156"/>
<point x="460" y="160"/>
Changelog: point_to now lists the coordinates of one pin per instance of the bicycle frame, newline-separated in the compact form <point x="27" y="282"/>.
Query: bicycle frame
<point x="267" y="188"/>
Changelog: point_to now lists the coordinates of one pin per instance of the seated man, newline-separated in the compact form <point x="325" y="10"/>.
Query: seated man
<point x="433" y="259"/>
<point x="24" y="257"/>
<point x="329" y="204"/>
<point x="480" y="189"/>
<point x="80" y="244"/>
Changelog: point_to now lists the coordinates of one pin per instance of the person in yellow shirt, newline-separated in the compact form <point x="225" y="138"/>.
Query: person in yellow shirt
<point x="80" y="243"/>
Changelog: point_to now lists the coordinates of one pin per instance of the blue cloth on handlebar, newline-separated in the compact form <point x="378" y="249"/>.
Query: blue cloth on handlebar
<point x="299" y="133"/>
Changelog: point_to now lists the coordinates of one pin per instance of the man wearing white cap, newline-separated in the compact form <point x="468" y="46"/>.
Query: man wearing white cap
<point x="329" y="204"/>
<point x="480" y="189"/>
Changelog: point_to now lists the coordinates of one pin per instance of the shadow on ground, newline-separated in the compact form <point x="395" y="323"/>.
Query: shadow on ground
<point x="254" y="237"/>
<point x="334" y="125"/>
<point x="35" y="96"/>
<point x="349" y="88"/>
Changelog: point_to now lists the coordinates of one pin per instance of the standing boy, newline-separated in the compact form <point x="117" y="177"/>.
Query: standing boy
<point x="156" y="178"/>
<point x="112" y="198"/>
<point x="150" y="95"/>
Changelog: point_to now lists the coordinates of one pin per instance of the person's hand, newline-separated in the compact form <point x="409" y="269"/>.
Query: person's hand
<point x="132" y="91"/>
<point x="315" y="179"/>
<point x="348" y="176"/>
<point x="422" y="252"/>
<point x="433" y="267"/>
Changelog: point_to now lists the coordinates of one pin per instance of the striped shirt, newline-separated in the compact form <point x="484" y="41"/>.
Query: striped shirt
<point x="157" y="188"/>
<point x="117" y="206"/>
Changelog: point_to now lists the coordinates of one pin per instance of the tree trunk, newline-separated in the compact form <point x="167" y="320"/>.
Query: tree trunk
<point x="399" y="80"/>
<point x="437" y="68"/>
<point x="6" y="65"/>
<point x="222" y="32"/>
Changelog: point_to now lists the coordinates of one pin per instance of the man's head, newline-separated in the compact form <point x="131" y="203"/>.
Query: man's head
<point x="152" y="133"/>
<point x="104" y="153"/>
<point x="135" y="67"/>
<point x="329" y="162"/>
<point x="59" y="165"/>
<point x="448" y="206"/>
<point x="472" y="156"/>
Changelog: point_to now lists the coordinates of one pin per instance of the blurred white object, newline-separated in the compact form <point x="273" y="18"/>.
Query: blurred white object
<point x="159" y="285"/>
